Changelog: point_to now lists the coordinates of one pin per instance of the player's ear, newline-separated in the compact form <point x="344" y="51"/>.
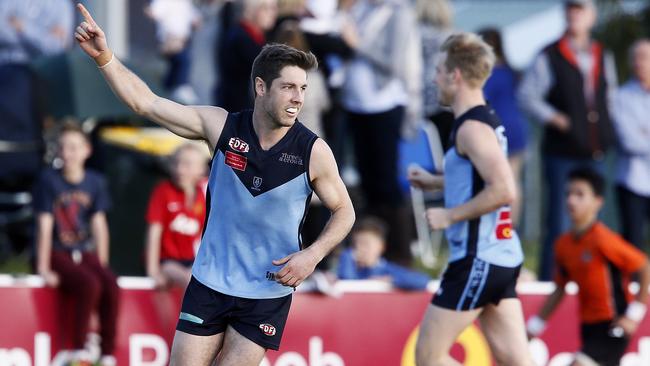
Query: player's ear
<point x="600" y="201"/>
<point x="456" y="75"/>
<point x="260" y="86"/>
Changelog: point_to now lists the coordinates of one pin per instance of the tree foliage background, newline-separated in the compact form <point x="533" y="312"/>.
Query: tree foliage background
<point x="620" y="29"/>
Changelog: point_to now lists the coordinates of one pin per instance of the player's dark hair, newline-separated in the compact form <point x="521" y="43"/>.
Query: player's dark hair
<point x="371" y="224"/>
<point x="274" y="57"/>
<point x="492" y="36"/>
<point x="592" y="177"/>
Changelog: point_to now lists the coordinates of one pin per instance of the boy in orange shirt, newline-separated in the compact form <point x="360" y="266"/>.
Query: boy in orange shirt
<point x="601" y="263"/>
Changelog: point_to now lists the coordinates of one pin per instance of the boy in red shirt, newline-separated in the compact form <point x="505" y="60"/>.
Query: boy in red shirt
<point x="175" y="216"/>
<point x="601" y="263"/>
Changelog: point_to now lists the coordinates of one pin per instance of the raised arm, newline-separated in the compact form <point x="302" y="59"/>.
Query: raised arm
<point x="191" y="122"/>
<point x="332" y="192"/>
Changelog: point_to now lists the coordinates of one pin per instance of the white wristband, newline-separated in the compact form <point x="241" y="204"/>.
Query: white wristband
<point x="108" y="63"/>
<point x="635" y="311"/>
<point x="535" y="326"/>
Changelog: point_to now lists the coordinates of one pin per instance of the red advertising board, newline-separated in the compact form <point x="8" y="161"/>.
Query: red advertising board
<point x="359" y="328"/>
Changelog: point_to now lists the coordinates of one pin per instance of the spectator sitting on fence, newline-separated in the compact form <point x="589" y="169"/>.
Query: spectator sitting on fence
<point x="72" y="238"/>
<point x="175" y="218"/>
<point x="363" y="260"/>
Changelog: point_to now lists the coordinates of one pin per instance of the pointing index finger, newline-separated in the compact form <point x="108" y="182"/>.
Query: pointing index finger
<point x="86" y="14"/>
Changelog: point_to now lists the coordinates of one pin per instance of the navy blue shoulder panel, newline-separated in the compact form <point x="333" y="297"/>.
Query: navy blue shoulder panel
<point x="481" y="113"/>
<point x="262" y="170"/>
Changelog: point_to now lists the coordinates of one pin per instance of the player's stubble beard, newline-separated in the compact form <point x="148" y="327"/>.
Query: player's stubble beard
<point x="445" y="97"/>
<point x="275" y="112"/>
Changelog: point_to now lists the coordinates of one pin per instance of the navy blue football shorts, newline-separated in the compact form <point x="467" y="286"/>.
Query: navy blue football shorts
<point x="471" y="283"/>
<point x="208" y="312"/>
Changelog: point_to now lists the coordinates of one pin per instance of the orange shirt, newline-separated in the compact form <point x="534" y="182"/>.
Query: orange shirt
<point x="600" y="262"/>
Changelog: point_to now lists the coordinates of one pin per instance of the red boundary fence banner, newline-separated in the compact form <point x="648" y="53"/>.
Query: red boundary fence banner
<point x="359" y="328"/>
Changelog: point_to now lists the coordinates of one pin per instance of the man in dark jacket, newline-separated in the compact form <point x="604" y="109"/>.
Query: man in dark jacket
<point x="566" y="89"/>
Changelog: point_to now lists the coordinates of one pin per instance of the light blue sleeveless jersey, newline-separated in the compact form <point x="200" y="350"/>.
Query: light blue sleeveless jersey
<point x="256" y="206"/>
<point x="490" y="237"/>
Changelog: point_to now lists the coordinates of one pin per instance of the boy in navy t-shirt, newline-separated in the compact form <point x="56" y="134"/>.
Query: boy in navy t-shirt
<point x="72" y="239"/>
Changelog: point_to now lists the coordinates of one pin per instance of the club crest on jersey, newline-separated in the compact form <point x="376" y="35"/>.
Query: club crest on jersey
<point x="267" y="329"/>
<point x="257" y="183"/>
<point x="238" y="144"/>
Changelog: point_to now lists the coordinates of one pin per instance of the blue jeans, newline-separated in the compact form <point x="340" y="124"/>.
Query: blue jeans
<point x="635" y="213"/>
<point x="556" y="171"/>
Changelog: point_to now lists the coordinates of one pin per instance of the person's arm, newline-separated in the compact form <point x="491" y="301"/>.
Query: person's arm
<point x="347" y="268"/>
<point x="611" y="78"/>
<point x="633" y="129"/>
<point x="629" y="259"/>
<point x="478" y="141"/>
<point x="154" y="235"/>
<point x="420" y="178"/>
<point x="332" y="192"/>
<point x="536" y="324"/>
<point x="43" y="199"/>
<point x="406" y="278"/>
<point x="155" y="218"/>
<point x="192" y="122"/>
<point x="636" y="310"/>
<point x="44" y="232"/>
<point x="531" y="95"/>
<point x="644" y="282"/>
<point x="99" y="230"/>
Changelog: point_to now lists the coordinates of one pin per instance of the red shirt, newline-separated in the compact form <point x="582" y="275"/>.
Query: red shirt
<point x="182" y="226"/>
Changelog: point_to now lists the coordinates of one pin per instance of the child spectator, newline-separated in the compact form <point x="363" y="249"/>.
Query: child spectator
<point x="175" y="216"/>
<point x="364" y="259"/>
<point x="601" y="263"/>
<point x="72" y="238"/>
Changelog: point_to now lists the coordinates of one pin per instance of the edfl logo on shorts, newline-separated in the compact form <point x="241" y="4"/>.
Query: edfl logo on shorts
<point x="267" y="329"/>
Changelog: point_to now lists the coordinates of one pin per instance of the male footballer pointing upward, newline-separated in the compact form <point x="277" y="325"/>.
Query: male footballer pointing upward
<point x="265" y="167"/>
